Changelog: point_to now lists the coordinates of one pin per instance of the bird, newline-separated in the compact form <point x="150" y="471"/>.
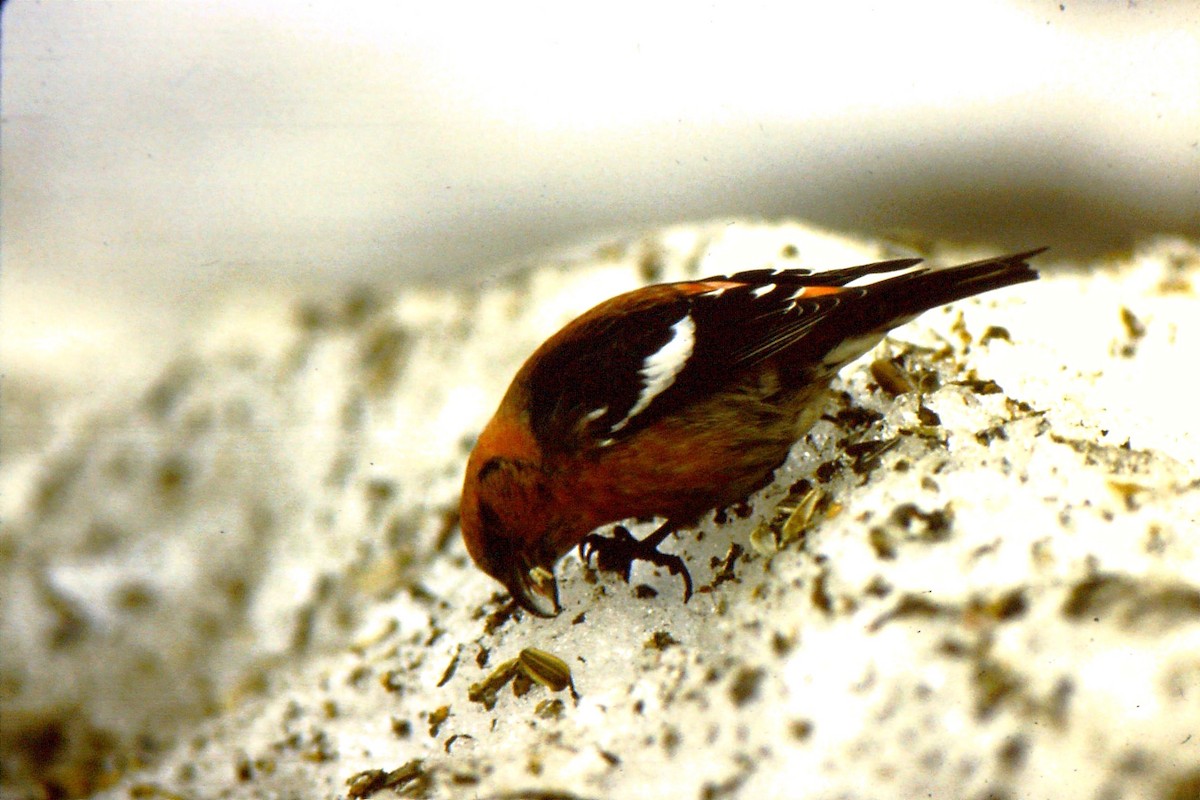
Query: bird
<point x="674" y="400"/>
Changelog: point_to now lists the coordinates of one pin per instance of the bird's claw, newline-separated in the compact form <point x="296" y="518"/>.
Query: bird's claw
<point x="617" y="553"/>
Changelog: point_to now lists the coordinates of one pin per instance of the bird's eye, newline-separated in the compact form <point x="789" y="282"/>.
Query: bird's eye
<point x="489" y="466"/>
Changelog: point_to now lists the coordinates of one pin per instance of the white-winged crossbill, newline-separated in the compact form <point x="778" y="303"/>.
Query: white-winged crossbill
<point x="674" y="400"/>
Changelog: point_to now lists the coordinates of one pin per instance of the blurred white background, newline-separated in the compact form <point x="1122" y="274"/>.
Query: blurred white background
<point x="160" y="158"/>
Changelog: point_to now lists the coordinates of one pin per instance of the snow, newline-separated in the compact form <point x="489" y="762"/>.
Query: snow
<point x="246" y="582"/>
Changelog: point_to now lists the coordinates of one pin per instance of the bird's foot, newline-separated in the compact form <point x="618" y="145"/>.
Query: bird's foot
<point x="617" y="553"/>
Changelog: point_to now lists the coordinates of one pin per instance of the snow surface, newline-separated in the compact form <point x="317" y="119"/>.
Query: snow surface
<point x="247" y="581"/>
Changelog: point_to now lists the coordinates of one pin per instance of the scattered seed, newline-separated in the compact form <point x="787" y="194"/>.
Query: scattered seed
<point x="485" y="691"/>
<point x="545" y="668"/>
<point x="437" y="718"/>
<point x="890" y="377"/>
<point x="451" y="667"/>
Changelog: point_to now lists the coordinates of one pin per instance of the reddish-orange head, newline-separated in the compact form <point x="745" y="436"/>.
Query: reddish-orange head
<point x="512" y="518"/>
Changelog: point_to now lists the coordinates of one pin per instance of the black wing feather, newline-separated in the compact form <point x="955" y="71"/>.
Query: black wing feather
<point x="810" y="277"/>
<point x="595" y="372"/>
<point x="583" y="390"/>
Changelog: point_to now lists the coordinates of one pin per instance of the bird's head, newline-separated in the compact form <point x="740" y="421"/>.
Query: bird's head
<point x="509" y="524"/>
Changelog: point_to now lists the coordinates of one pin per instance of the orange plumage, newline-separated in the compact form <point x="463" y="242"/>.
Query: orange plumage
<point x="676" y="399"/>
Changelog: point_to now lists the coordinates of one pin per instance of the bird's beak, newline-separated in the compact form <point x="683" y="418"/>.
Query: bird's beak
<point x="535" y="589"/>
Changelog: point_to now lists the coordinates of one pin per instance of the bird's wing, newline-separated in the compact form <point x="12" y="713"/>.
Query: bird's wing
<point x="648" y="353"/>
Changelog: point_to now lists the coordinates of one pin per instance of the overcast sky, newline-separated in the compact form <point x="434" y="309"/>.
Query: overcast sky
<point x="159" y="155"/>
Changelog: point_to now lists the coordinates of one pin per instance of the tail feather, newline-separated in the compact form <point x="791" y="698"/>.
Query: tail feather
<point x="866" y="313"/>
<point x="896" y="300"/>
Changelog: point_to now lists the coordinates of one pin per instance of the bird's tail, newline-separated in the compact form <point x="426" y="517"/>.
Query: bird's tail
<point x="897" y="300"/>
